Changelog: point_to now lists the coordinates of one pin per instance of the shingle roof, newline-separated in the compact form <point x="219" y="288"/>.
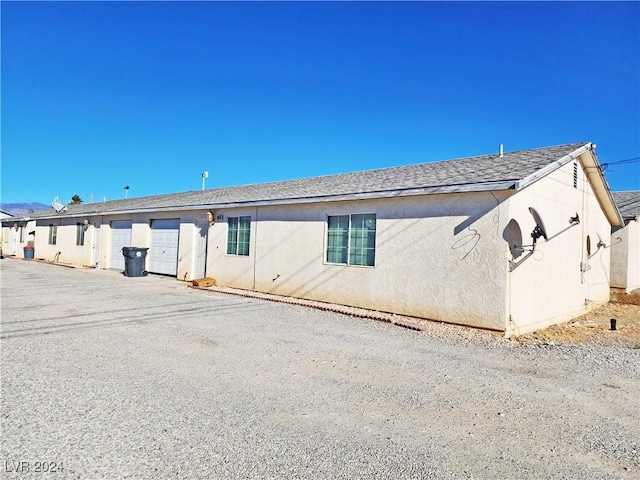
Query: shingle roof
<point x="628" y="203"/>
<point x="463" y="172"/>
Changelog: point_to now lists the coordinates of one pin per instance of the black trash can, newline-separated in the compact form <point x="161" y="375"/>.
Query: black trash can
<point x="134" y="259"/>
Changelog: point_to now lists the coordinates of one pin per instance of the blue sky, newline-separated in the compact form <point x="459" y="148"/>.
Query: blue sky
<point x="96" y="96"/>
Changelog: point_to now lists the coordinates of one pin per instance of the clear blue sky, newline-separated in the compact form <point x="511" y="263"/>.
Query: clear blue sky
<point x="96" y="96"/>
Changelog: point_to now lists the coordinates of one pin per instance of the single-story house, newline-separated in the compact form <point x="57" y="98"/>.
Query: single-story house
<point x="510" y="241"/>
<point x="3" y="216"/>
<point x="625" y="242"/>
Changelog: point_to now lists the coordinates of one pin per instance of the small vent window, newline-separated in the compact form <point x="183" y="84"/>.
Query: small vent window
<point x="79" y="234"/>
<point x="575" y="175"/>
<point x="53" y="234"/>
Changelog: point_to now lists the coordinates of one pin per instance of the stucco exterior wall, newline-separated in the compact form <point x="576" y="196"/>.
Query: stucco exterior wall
<point x="561" y="280"/>
<point x="437" y="256"/>
<point x="69" y="252"/>
<point x="190" y="222"/>
<point x="625" y="256"/>
<point x="8" y="236"/>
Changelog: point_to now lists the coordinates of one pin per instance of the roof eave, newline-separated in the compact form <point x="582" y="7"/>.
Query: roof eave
<point x="600" y="186"/>
<point x="586" y="154"/>
<point x="465" y="188"/>
<point x="551" y="167"/>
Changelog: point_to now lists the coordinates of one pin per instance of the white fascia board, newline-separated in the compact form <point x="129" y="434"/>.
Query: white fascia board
<point x="543" y="172"/>
<point x="478" y="187"/>
<point x="475" y="187"/>
<point x="594" y="174"/>
<point x="602" y="190"/>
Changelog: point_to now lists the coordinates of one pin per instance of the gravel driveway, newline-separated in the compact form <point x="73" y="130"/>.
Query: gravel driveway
<point x="115" y="377"/>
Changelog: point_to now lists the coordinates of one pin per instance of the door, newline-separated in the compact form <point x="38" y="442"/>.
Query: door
<point x="163" y="254"/>
<point x="95" y="247"/>
<point x="120" y="237"/>
<point x="200" y="249"/>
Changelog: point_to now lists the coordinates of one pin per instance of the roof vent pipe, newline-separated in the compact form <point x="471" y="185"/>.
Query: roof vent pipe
<point x="501" y="150"/>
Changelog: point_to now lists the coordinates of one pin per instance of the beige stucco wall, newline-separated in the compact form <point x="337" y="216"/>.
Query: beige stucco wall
<point x="97" y="250"/>
<point x="444" y="257"/>
<point x="7" y="237"/>
<point x="549" y="286"/>
<point x="70" y="253"/>
<point x="437" y="256"/>
<point x="625" y="256"/>
<point x="190" y="222"/>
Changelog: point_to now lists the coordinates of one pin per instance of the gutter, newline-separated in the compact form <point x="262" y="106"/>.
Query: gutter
<point x="466" y="188"/>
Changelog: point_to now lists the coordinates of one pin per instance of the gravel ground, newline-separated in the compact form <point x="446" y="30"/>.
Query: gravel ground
<point x="594" y="328"/>
<point x="146" y="378"/>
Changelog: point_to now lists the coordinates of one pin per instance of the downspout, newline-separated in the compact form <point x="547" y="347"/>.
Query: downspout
<point x="584" y="258"/>
<point x="508" y="330"/>
<point x="509" y="324"/>
<point x="255" y="250"/>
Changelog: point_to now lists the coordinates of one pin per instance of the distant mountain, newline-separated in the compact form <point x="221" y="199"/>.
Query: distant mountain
<point x="22" y="208"/>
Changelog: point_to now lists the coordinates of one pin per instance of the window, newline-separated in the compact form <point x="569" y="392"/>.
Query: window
<point x="21" y="234"/>
<point x="53" y="234"/>
<point x="79" y="234"/>
<point x="239" y="230"/>
<point x="351" y="239"/>
<point x="338" y="239"/>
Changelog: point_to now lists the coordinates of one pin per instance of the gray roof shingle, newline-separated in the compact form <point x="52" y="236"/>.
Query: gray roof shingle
<point x="628" y="203"/>
<point x="484" y="169"/>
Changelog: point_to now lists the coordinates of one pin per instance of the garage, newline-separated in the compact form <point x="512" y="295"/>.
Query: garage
<point x="120" y="237"/>
<point x="163" y="254"/>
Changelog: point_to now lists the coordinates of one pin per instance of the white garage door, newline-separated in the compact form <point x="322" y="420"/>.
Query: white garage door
<point x="120" y="237"/>
<point x="163" y="254"/>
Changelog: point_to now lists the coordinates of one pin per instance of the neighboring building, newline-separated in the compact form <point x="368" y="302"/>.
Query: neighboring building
<point x="625" y="242"/>
<point x="4" y="216"/>
<point x="451" y="241"/>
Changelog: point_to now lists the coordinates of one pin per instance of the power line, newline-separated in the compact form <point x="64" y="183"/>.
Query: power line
<point x="604" y="166"/>
<point x="628" y="160"/>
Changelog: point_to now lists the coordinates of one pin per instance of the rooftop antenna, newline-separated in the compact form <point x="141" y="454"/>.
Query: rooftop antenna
<point x="58" y="206"/>
<point x="126" y="190"/>
<point x="205" y="175"/>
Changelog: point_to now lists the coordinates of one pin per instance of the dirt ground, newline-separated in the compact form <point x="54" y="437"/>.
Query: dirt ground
<point x="594" y="328"/>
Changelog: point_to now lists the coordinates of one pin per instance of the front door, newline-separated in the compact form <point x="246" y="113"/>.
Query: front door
<point x="200" y="249"/>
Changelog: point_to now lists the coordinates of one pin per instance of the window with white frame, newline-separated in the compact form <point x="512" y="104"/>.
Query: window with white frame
<point x="79" y="234"/>
<point x="238" y="235"/>
<point x="53" y="234"/>
<point x="351" y="239"/>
